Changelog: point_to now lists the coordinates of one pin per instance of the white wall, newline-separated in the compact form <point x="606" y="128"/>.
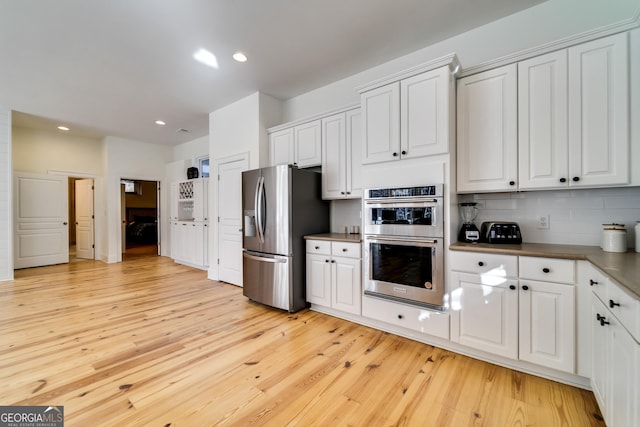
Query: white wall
<point x="125" y="158"/>
<point x="575" y="216"/>
<point x="191" y="150"/>
<point x="6" y="197"/>
<point x="533" y="27"/>
<point x="41" y="151"/>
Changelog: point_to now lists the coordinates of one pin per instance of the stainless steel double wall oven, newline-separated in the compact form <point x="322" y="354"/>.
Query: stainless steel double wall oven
<point x="404" y="244"/>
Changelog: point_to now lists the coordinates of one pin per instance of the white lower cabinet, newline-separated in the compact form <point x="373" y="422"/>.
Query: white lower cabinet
<point x="334" y="275"/>
<point x="407" y="316"/>
<point x="615" y="377"/>
<point x="495" y="311"/>
<point x="189" y="243"/>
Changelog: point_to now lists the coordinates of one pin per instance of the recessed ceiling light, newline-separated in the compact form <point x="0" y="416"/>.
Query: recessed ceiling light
<point x="206" y="57"/>
<point x="240" y="57"/>
<point x="63" y="128"/>
<point x="160" y="123"/>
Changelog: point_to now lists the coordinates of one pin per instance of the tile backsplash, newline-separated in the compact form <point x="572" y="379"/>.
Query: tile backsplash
<point x="575" y="216"/>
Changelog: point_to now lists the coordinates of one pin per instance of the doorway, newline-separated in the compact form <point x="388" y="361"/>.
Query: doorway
<point x="140" y="201"/>
<point x="81" y="219"/>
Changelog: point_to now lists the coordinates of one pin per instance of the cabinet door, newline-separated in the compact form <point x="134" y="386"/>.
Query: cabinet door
<point x="547" y="324"/>
<point x="424" y="114"/>
<point x="543" y="145"/>
<point x="319" y="279"/>
<point x="599" y="112"/>
<point x="381" y="126"/>
<point x="173" y="204"/>
<point x="200" y="199"/>
<point x="281" y="147"/>
<point x="182" y="241"/>
<point x="197" y="241"/>
<point x="487" y="131"/>
<point x="308" y="145"/>
<point x="353" y="149"/>
<point x="624" y="396"/>
<point x="599" y="354"/>
<point x="334" y="157"/>
<point x="346" y="294"/>
<point x="485" y="313"/>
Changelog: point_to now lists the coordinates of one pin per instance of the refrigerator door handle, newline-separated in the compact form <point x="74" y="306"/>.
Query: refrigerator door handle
<point x="264" y="259"/>
<point x="256" y="204"/>
<point x="260" y="209"/>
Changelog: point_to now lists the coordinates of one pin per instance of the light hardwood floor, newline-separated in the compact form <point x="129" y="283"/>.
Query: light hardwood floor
<point x="150" y="342"/>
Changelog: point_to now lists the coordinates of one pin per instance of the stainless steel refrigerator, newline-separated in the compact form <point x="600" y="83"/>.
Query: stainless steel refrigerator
<point x="280" y="205"/>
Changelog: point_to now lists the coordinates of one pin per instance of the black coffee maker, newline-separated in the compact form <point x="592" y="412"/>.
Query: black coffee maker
<point x="468" y="231"/>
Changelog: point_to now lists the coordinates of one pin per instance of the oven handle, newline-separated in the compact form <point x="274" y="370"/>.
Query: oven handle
<point x="395" y="239"/>
<point x="399" y="201"/>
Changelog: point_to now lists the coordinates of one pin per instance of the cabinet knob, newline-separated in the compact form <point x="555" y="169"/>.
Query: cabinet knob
<point x="603" y="321"/>
<point x="348" y="192"/>
<point x="545" y="270"/>
<point x="563" y="179"/>
<point x="525" y="288"/>
<point x="576" y="178"/>
<point x="613" y="304"/>
<point x="481" y="263"/>
<point x="342" y="192"/>
<point x="400" y="316"/>
<point x="592" y="282"/>
<point x="317" y="247"/>
<point x="403" y="152"/>
<point x="344" y="249"/>
<point x="326" y="260"/>
<point x="512" y="287"/>
<point x="64" y="223"/>
<point x="512" y="183"/>
<point x="333" y="261"/>
<point x="395" y="154"/>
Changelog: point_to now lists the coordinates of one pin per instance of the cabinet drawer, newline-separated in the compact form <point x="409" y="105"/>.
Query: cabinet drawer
<point x="410" y="317"/>
<point x="548" y="269"/>
<point x="482" y="263"/>
<point x="344" y="249"/>
<point x="628" y="310"/>
<point x="321" y="247"/>
<point x="598" y="282"/>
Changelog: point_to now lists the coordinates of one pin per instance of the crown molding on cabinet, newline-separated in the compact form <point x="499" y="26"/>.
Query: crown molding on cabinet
<point x="313" y="117"/>
<point x="596" y="33"/>
<point x="451" y="60"/>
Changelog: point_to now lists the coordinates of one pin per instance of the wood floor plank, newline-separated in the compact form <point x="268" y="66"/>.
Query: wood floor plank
<point x="150" y="342"/>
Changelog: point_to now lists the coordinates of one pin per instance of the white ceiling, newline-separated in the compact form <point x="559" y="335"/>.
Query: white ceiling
<point x="113" y="67"/>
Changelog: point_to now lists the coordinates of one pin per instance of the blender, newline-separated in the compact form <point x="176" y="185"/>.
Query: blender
<point x="468" y="231"/>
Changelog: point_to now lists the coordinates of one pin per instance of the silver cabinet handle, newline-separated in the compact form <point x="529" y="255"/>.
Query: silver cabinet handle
<point x="263" y="259"/>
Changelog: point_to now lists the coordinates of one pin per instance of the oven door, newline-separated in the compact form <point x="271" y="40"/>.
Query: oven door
<point x="405" y="269"/>
<point x="408" y="217"/>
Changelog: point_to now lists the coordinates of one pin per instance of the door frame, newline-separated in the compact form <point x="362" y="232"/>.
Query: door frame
<point x="83" y="175"/>
<point x="159" y="185"/>
<point x="214" y="241"/>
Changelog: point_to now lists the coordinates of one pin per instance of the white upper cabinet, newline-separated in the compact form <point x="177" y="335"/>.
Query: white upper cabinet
<point x="381" y="124"/>
<point x="281" y="147"/>
<point x="424" y="114"/>
<point x="308" y="151"/>
<point x="299" y="145"/>
<point x="409" y="115"/>
<point x="570" y="112"/>
<point x="487" y="131"/>
<point x="341" y="154"/>
<point x="543" y="138"/>
<point x="599" y="112"/>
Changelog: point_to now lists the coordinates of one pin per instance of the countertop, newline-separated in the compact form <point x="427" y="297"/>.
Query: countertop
<point x="336" y="237"/>
<point x="624" y="267"/>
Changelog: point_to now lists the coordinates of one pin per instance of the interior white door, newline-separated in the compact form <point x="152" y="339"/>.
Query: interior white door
<point x="230" y="220"/>
<point x="84" y="219"/>
<point x="41" y="212"/>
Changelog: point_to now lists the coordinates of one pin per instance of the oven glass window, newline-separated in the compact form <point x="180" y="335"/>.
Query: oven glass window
<point x="389" y="215"/>
<point x="405" y="265"/>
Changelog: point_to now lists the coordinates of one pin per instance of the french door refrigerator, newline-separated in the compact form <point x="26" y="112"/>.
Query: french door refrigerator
<point x="280" y="205"/>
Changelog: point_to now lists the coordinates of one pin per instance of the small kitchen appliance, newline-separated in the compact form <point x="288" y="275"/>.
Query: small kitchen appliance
<point x="501" y="232"/>
<point x="468" y="231"/>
